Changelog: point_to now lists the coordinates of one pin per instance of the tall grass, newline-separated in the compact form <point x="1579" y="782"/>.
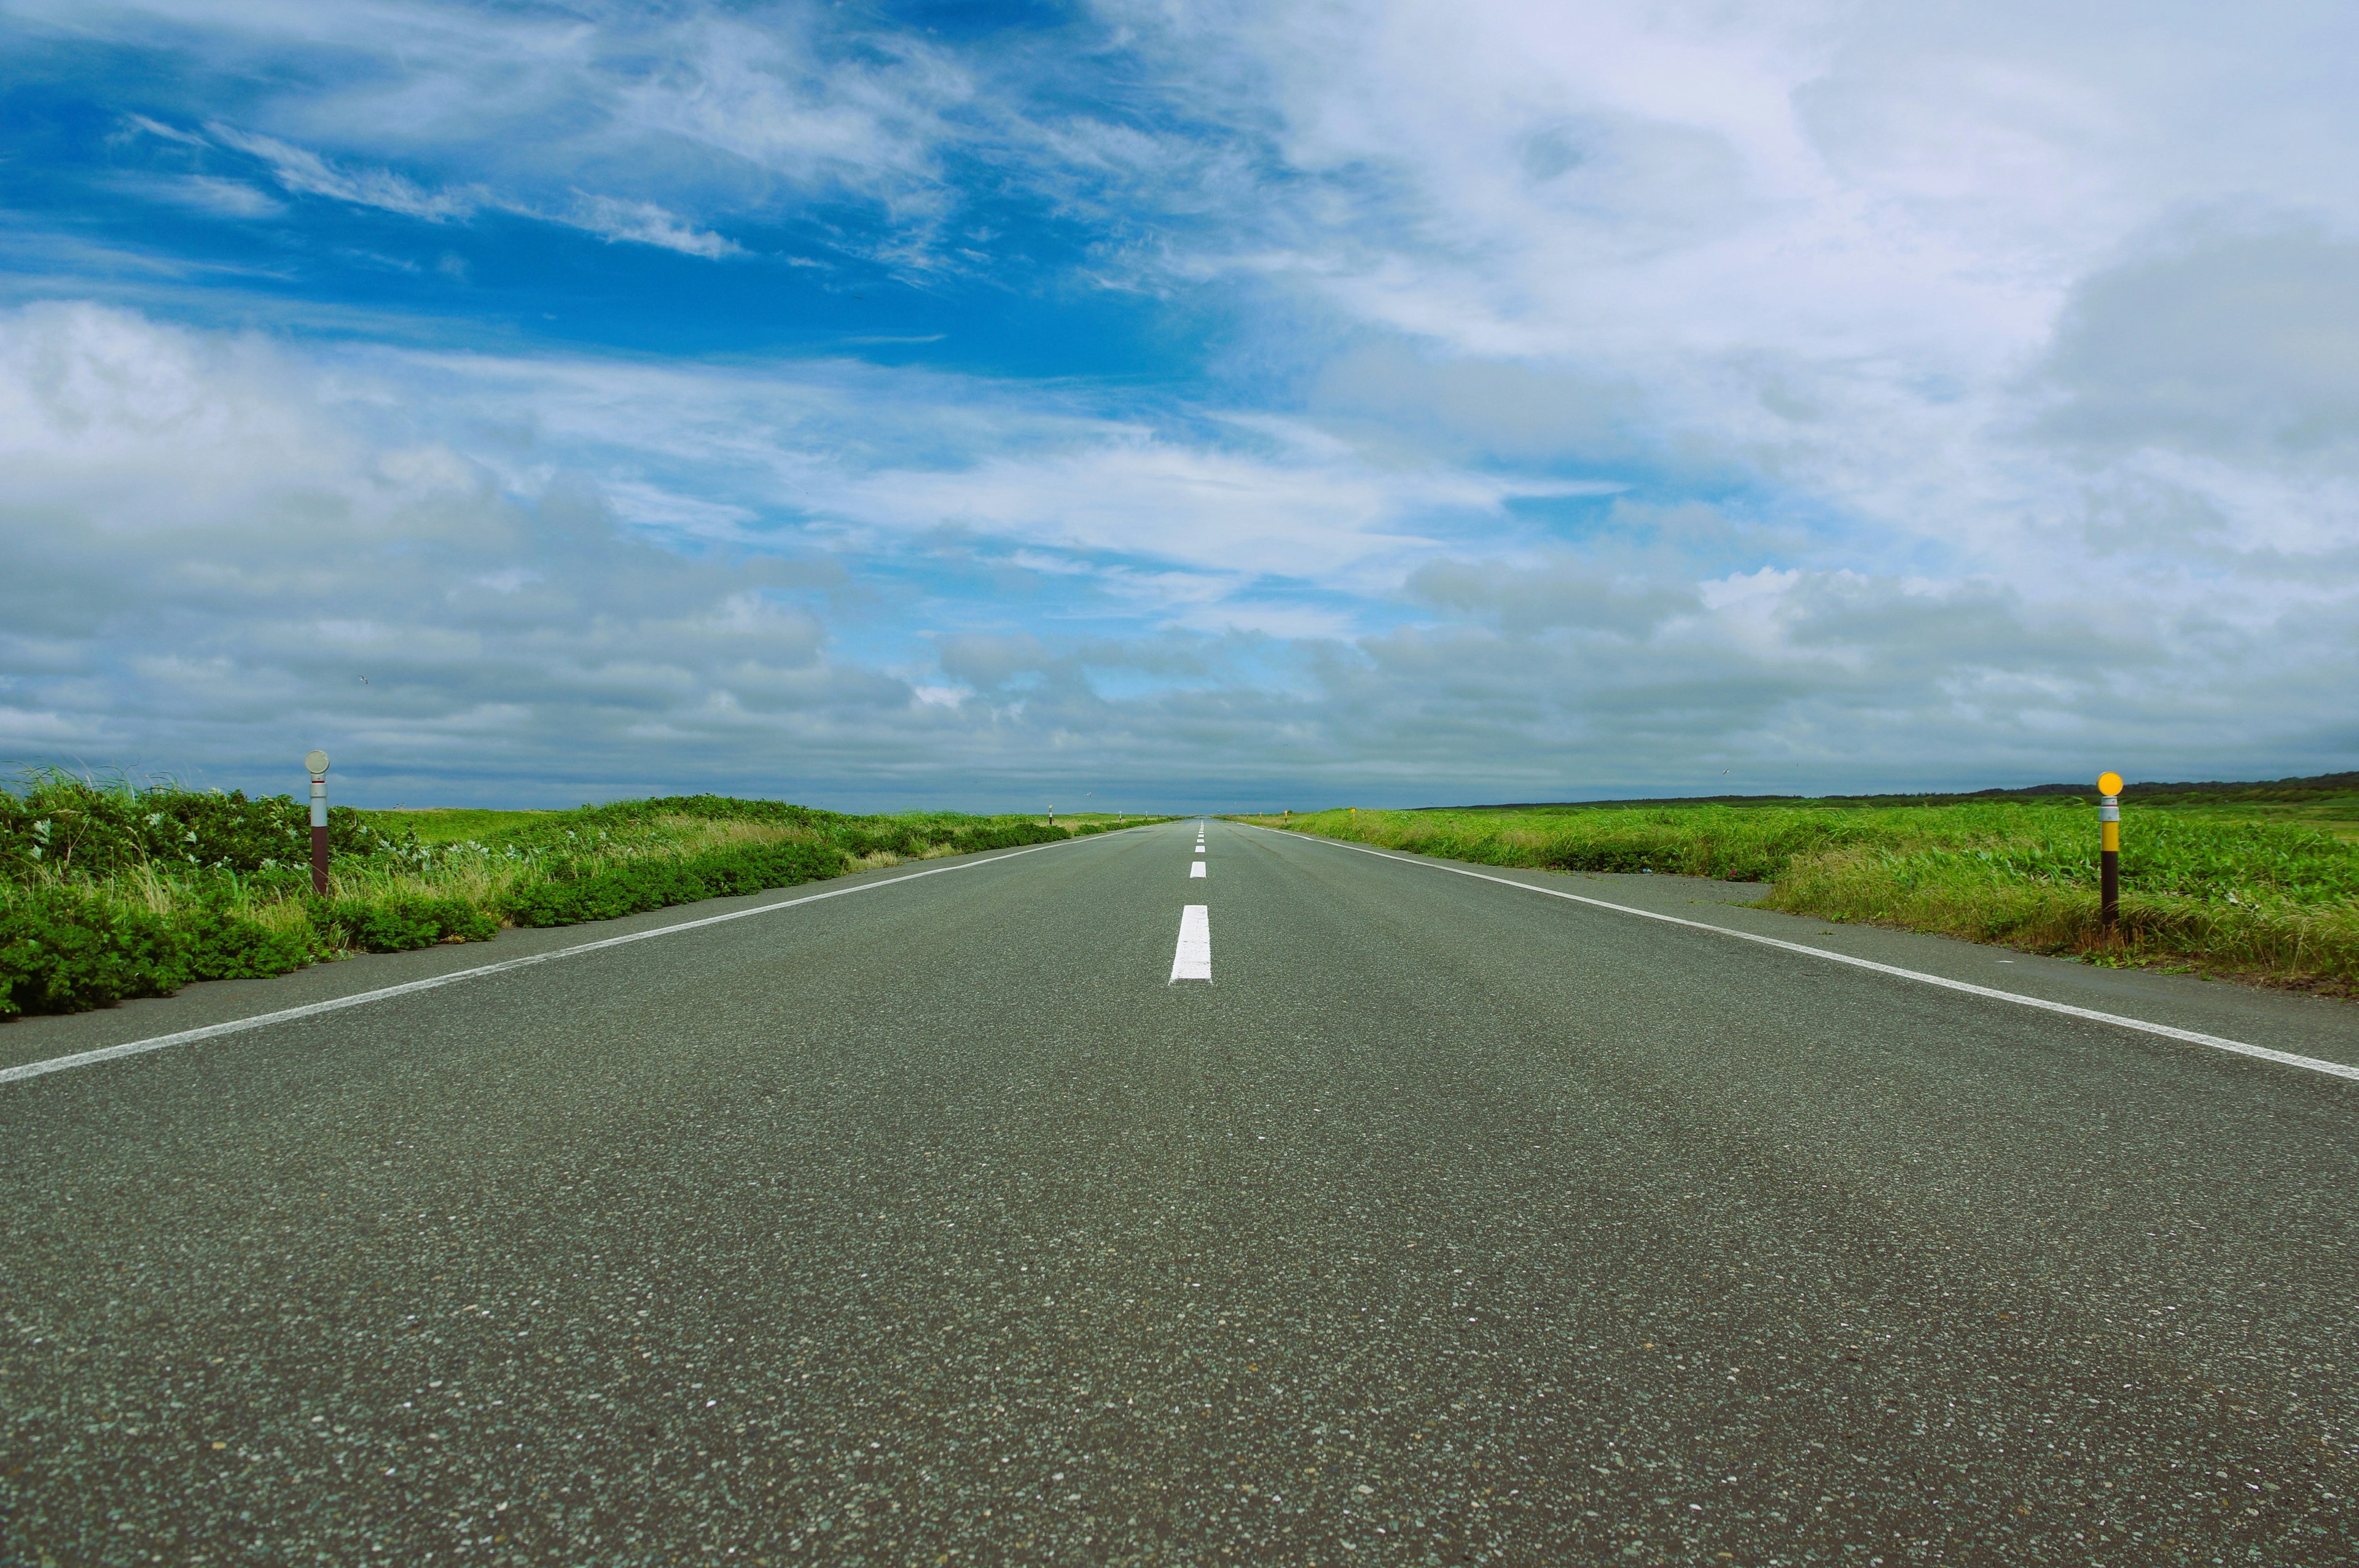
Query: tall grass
<point x="2267" y="899"/>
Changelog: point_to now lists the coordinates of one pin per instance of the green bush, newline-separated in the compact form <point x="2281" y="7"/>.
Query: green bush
<point x="398" y="923"/>
<point x="1007" y="836"/>
<point x="216" y="945"/>
<point x="569" y="897"/>
<point x="58" y="824"/>
<point x="65" y="950"/>
<point x="70" y="951"/>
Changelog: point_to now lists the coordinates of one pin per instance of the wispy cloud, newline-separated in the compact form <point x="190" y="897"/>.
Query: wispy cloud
<point x="645" y="223"/>
<point x="141" y="123"/>
<point x="206" y="193"/>
<point x="305" y="173"/>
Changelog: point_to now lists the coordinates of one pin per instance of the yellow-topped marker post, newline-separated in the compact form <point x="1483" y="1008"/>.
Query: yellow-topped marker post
<point x="2109" y="850"/>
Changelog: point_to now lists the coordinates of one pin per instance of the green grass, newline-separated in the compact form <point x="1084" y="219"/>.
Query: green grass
<point x="2337" y="816"/>
<point x="2265" y="890"/>
<point x="448" y="825"/>
<point x="109" y="890"/>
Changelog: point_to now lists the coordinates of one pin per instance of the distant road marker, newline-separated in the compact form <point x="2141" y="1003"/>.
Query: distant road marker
<point x="1196" y="870"/>
<point x="1192" y="959"/>
<point x="2192" y="1037"/>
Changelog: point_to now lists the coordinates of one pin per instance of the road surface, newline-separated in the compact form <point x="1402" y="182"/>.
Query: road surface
<point x="937" y="1222"/>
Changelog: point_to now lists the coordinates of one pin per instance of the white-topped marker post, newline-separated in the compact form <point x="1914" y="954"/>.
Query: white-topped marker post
<point x="316" y="764"/>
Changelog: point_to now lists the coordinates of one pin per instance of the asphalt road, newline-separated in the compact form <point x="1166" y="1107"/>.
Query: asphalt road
<point x="1445" y="1223"/>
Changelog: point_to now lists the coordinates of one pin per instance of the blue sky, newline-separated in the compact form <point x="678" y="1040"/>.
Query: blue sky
<point x="1177" y="405"/>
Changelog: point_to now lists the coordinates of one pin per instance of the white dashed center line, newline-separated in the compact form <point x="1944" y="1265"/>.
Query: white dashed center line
<point x="1192" y="959"/>
<point x="1197" y="870"/>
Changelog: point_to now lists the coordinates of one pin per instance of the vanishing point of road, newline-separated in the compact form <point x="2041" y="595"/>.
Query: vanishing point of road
<point x="1076" y="1205"/>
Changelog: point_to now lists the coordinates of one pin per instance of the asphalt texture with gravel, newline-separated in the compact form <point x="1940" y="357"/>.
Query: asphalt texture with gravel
<point x="1446" y="1224"/>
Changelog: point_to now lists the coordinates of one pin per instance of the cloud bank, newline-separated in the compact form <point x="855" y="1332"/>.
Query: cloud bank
<point x="1231" y="405"/>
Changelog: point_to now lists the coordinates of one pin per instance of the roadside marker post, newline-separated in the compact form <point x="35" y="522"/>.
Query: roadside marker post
<point x="2109" y="851"/>
<point x="316" y="764"/>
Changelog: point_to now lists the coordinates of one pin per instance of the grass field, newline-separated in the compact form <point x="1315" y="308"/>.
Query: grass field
<point x="112" y="891"/>
<point x="2264" y="889"/>
<point x="451" y="824"/>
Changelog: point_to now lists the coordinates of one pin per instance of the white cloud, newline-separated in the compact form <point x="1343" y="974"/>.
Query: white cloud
<point x="898" y="454"/>
<point x="157" y="129"/>
<point x="2227" y="338"/>
<point x="214" y="535"/>
<point x="1976" y="288"/>
<point x="305" y="172"/>
<point x="211" y="546"/>
<point x="204" y="194"/>
<point x="648" y="224"/>
<point x="669" y="119"/>
<point x="864" y="119"/>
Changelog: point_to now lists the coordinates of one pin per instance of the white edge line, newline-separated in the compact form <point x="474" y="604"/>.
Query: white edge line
<point x="2262" y="1052"/>
<point x="312" y="1010"/>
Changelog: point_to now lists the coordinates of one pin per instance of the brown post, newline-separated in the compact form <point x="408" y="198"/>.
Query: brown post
<point x="316" y="764"/>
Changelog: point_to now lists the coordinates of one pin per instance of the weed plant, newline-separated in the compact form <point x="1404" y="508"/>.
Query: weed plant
<point x="110" y="889"/>
<point x="2270" y="899"/>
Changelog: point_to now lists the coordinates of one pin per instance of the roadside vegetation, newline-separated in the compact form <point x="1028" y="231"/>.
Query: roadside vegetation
<point x="112" y="890"/>
<point x="2258" y="881"/>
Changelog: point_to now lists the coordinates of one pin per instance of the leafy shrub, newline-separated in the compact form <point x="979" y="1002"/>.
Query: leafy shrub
<point x="216" y="945"/>
<point x="1005" y="836"/>
<point x="70" y="951"/>
<point x="398" y="923"/>
<point x="569" y="897"/>
<point x="65" y="950"/>
<point x="61" y="825"/>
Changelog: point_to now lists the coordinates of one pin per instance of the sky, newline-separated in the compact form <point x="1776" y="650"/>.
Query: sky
<point x="1172" y="406"/>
